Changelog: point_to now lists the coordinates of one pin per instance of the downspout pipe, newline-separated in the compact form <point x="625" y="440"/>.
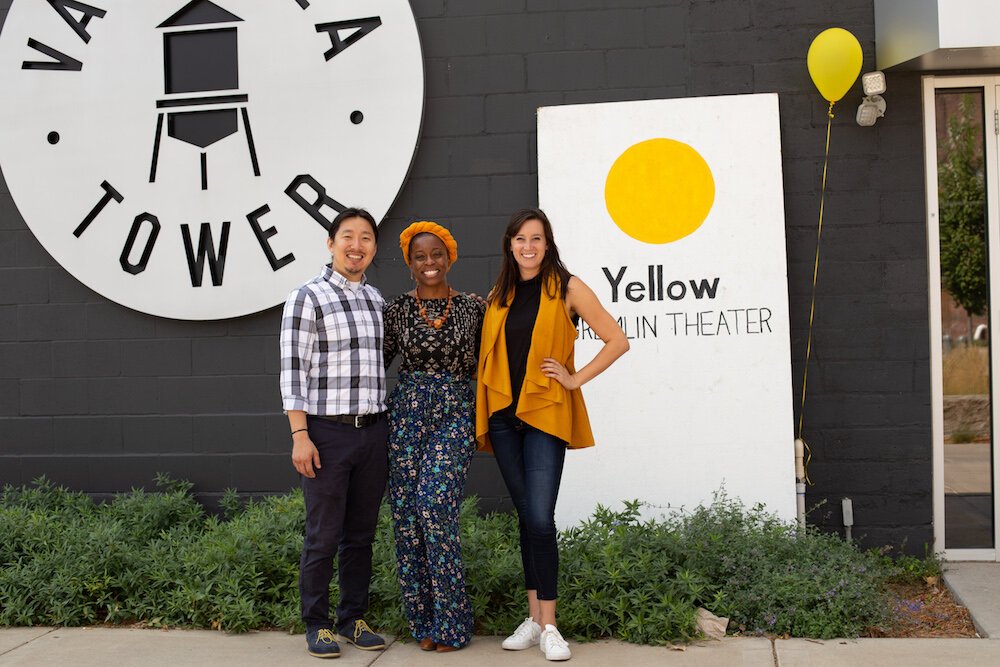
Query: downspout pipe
<point x="800" y="483"/>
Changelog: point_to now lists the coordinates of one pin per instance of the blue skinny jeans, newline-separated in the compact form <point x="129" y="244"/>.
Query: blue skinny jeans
<point x="531" y="463"/>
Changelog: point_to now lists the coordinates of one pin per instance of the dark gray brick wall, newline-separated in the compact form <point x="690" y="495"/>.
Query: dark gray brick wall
<point x="101" y="398"/>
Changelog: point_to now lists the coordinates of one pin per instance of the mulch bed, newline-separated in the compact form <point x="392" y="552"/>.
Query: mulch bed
<point x="925" y="610"/>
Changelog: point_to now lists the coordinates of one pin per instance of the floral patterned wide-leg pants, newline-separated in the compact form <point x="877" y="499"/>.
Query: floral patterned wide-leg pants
<point x="431" y="442"/>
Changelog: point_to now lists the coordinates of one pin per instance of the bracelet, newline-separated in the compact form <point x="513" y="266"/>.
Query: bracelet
<point x="299" y="429"/>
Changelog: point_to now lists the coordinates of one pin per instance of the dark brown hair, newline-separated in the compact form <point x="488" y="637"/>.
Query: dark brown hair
<point x="552" y="266"/>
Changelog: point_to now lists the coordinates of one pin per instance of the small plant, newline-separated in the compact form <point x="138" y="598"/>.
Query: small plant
<point x="909" y="569"/>
<point x="230" y="503"/>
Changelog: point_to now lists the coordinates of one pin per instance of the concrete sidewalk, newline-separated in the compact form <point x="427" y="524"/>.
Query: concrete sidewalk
<point x="100" y="646"/>
<point x="976" y="585"/>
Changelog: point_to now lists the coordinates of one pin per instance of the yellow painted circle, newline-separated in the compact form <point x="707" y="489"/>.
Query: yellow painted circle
<point x="659" y="191"/>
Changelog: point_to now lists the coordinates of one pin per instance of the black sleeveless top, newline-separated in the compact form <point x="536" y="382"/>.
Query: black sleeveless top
<point x="518" y="329"/>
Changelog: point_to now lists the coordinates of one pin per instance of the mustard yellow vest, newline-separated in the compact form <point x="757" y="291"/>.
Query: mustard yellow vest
<point x="543" y="403"/>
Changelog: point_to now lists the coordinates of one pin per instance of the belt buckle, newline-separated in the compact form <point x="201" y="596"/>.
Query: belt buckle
<point x="357" y="421"/>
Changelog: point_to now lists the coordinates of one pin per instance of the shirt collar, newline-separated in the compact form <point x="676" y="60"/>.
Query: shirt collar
<point x="337" y="279"/>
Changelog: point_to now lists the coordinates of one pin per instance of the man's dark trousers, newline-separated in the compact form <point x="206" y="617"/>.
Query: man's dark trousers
<point x="342" y="504"/>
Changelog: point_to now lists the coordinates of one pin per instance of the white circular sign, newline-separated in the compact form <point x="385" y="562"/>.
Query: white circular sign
<point x="184" y="158"/>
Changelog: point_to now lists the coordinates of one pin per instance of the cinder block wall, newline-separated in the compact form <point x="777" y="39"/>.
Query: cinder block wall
<point x="100" y="398"/>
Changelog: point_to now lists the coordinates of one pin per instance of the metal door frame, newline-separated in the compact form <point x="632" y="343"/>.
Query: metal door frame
<point x="991" y="90"/>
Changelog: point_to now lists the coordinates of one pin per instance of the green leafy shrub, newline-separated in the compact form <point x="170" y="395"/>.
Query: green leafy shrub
<point x="232" y="575"/>
<point x="629" y="579"/>
<point x="772" y="577"/>
<point x="495" y="583"/>
<point x="68" y="561"/>
<point x="159" y="559"/>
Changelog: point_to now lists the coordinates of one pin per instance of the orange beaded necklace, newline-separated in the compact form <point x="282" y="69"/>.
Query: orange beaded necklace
<point x="438" y="322"/>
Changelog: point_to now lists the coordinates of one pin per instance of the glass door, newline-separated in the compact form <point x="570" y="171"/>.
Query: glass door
<point x="963" y="238"/>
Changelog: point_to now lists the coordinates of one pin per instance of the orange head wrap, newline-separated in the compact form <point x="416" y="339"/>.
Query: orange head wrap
<point x="427" y="227"/>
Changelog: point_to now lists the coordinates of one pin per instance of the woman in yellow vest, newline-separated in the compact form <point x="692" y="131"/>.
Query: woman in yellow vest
<point x="529" y="408"/>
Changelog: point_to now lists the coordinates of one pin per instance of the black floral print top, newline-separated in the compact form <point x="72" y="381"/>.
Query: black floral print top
<point x="453" y="349"/>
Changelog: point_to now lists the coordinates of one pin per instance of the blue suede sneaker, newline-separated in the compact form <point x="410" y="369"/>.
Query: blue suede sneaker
<point x="322" y="644"/>
<point x="361" y="636"/>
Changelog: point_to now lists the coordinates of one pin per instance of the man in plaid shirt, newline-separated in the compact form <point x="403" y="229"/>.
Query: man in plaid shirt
<point x="333" y="390"/>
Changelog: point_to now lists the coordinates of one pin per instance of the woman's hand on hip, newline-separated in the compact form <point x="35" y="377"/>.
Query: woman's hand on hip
<point x="553" y="369"/>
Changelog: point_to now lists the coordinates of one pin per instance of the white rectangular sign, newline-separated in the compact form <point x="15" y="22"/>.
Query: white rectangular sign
<point x="672" y="212"/>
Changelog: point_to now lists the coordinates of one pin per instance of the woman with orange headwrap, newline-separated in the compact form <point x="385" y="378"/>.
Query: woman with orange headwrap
<point x="431" y="435"/>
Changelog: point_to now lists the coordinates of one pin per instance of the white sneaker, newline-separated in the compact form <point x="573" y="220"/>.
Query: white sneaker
<point x="553" y="645"/>
<point x="525" y="636"/>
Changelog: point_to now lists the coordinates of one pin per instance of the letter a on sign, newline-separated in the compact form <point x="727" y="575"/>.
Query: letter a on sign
<point x="87" y="12"/>
<point x="359" y="28"/>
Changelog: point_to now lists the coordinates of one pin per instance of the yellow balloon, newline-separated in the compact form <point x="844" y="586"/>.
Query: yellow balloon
<point x="834" y="62"/>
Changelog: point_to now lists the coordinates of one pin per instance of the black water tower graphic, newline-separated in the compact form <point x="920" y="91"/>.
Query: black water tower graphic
<point x="202" y="64"/>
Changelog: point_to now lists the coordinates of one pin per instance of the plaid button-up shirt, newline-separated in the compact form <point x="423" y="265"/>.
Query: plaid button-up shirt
<point x="331" y="348"/>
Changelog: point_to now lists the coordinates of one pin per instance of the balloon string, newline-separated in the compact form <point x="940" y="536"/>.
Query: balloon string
<point x="812" y="302"/>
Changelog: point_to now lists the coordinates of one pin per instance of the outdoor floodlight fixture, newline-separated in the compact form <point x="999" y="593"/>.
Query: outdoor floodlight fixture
<point x="873" y="83"/>
<point x="872" y="105"/>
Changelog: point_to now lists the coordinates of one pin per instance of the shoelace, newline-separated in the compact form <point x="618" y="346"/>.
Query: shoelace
<point x="359" y="628"/>
<point x="325" y="636"/>
<point x="554" y="639"/>
<point x="525" y="629"/>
